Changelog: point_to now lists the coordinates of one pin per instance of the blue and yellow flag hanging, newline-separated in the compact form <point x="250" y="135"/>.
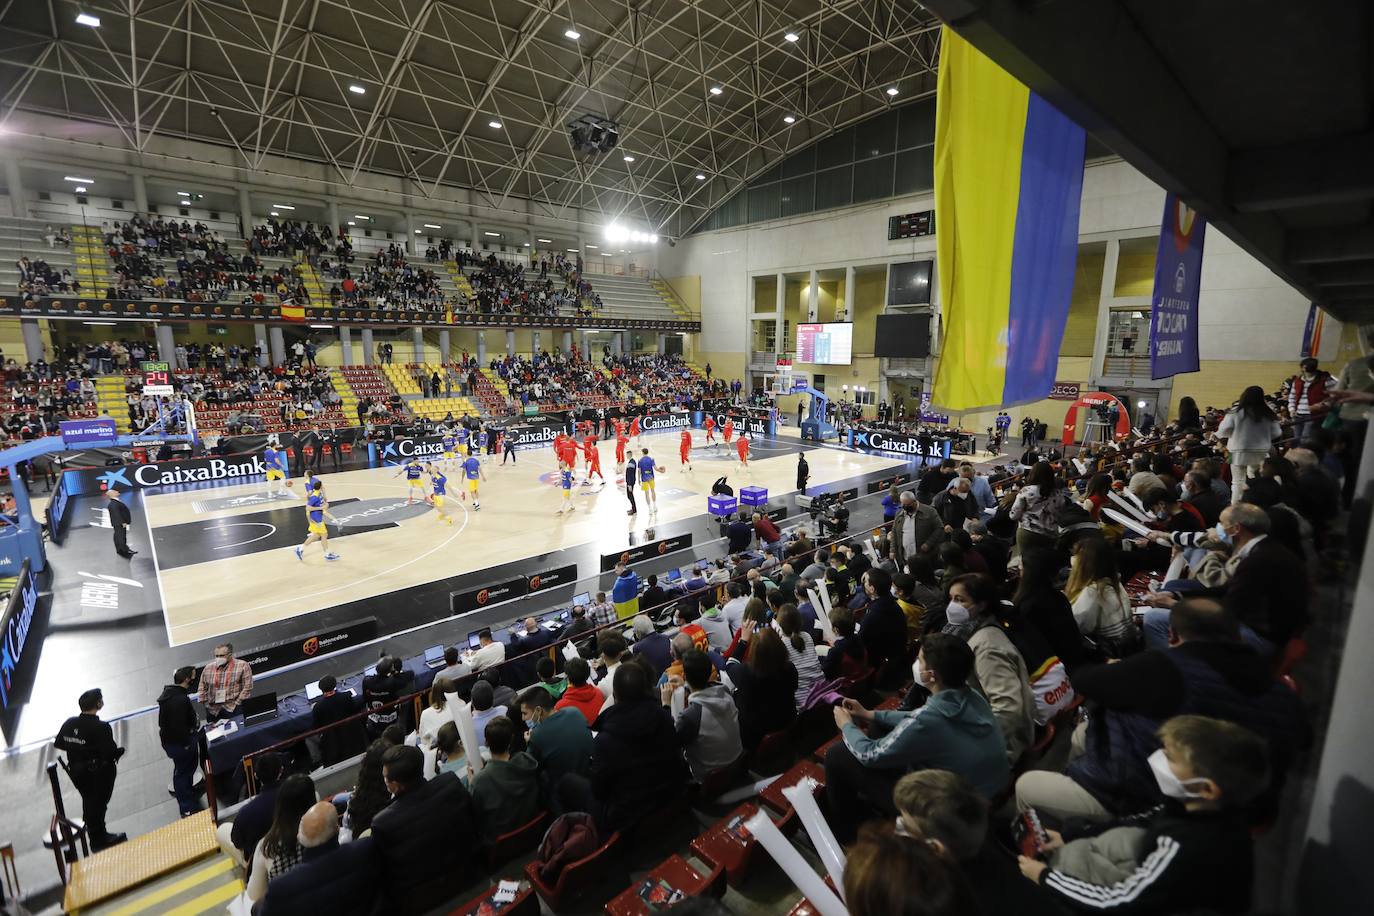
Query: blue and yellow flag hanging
<point x="1008" y="177"/>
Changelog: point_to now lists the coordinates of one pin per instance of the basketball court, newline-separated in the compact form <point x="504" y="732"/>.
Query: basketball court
<point x="225" y="556"/>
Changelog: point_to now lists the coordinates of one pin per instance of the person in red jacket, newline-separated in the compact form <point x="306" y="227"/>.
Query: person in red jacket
<point x="1303" y="392"/>
<point x="593" y="456"/>
<point x="684" y="448"/>
<point x="585" y="697"/>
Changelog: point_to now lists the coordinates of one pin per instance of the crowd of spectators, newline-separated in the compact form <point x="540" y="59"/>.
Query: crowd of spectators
<point x="505" y="287"/>
<point x="388" y="278"/>
<point x="558" y="381"/>
<point x="39" y="278"/>
<point x="41" y="394"/>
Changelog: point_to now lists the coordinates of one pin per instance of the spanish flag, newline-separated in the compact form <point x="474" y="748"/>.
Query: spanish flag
<point x="1008" y="177"/>
<point x="291" y="311"/>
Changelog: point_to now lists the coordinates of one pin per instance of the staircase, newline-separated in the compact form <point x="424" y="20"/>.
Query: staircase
<point x="433" y="408"/>
<point x="634" y="297"/>
<point x="92" y="261"/>
<point x="493" y="392"/>
<point x="460" y="280"/>
<point x="313" y="287"/>
<point x="109" y="393"/>
<point x="666" y="293"/>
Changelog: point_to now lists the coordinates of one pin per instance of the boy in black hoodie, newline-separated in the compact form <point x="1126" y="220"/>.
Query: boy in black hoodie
<point x="177" y="724"/>
<point x="1192" y="852"/>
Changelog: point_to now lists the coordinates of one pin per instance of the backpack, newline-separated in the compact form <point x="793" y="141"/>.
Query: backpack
<point x="569" y="838"/>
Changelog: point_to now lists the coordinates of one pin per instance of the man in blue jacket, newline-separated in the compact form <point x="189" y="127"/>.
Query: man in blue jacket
<point x="955" y="730"/>
<point x="330" y="878"/>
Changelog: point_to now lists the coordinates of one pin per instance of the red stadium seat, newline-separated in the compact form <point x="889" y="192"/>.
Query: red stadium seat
<point x="726" y="845"/>
<point x="577" y="877"/>
<point x="678" y="875"/>
<point x="525" y="904"/>
<point x="773" y="797"/>
<point x="517" y="842"/>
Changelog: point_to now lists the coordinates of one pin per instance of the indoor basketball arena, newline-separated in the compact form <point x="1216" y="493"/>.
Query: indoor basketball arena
<point x="847" y="458"/>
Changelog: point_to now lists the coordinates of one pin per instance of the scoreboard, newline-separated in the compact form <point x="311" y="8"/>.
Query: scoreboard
<point x="911" y="225"/>
<point x="157" y="379"/>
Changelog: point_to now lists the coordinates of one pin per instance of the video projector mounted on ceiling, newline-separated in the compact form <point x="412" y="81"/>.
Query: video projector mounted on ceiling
<point x="591" y="134"/>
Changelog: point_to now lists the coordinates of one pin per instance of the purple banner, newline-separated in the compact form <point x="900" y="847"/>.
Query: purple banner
<point x="1178" y="278"/>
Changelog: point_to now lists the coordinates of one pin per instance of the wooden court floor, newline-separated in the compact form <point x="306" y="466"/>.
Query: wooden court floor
<point x="226" y="559"/>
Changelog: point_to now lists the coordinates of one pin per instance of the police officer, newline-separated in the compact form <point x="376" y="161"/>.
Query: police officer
<point x="330" y="439"/>
<point x="803" y="473"/>
<point x="91" y="755"/>
<point x="119" y="521"/>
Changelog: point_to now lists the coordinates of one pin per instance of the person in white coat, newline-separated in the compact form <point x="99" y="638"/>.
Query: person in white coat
<point x="1249" y="429"/>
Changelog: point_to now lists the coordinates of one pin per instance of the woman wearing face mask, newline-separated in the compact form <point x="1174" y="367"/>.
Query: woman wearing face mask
<point x="1248" y="430"/>
<point x="1101" y="608"/>
<point x="999" y="671"/>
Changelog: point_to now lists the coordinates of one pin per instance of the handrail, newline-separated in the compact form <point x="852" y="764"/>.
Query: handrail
<point x="657" y="274"/>
<point x="418" y="696"/>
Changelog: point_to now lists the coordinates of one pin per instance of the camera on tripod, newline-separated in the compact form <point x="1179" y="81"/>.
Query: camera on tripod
<point x="829" y="512"/>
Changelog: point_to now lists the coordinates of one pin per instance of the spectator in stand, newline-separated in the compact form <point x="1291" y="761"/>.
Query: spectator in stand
<point x="1198" y="492"/>
<point x="846" y="657"/>
<point x="706" y="720"/>
<point x="454" y="670"/>
<point x="765" y="683"/>
<point x="381" y="691"/>
<point x="956" y="505"/>
<point x="1045" y="609"/>
<point x="418" y="873"/>
<point x="1302" y="393"/>
<point x="652" y="646"/>
<point x="330" y="878"/>
<point x="1267" y="591"/>
<point x="559" y="740"/>
<point x="369" y="795"/>
<point x="739" y="534"/>
<point x="637" y="765"/>
<point x="943" y="810"/>
<point x="916" y="531"/>
<point x="612" y="646"/>
<point x="1248" y="430"/>
<point x="1037" y="507"/>
<point x="801" y="652"/>
<point x="239" y="837"/>
<point x="889" y="875"/>
<point x="999" y="671"/>
<point x="1101" y="607"/>
<point x="278" y="851"/>
<point x="955" y="730"/>
<point x="484" y="709"/>
<point x="1194" y="853"/>
<point x="505" y="793"/>
<point x="489" y="652"/>
<point x="581" y="695"/>
<point x="884" y="626"/>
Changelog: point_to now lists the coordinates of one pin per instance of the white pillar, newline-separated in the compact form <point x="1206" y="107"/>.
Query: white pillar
<point x="662" y="344"/>
<point x="481" y="348"/>
<point x="260" y="338"/>
<point x="444" y="343"/>
<point x="333" y="210"/>
<point x="813" y="308"/>
<point x="417" y="337"/>
<point x="33" y="339"/>
<point x="346" y="343"/>
<point x="140" y="193"/>
<point x="848" y="296"/>
<point x="567" y="342"/>
<point x="166" y="344"/>
<point x="510" y="343"/>
<point x="278" y="342"/>
<point x="618" y="343"/>
<point x="587" y="345"/>
<point x="369" y="348"/>
<point x="15" y="183"/>
<point x="245" y="212"/>
<point x="535" y="343"/>
<point x="778" y="320"/>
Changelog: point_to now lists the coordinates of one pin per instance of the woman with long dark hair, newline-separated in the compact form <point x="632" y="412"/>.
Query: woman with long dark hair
<point x="765" y="683"/>
<point x="1189" y="417"/>
<point x="1037" y="508"/>
<point x="1249" y="429"/>
<point x="278" y="852"/>
<point x="801" y="651"/>
<point x="1045" y="608"/>
<point x="1095" y="497"/>
<point x="369" y="794"/>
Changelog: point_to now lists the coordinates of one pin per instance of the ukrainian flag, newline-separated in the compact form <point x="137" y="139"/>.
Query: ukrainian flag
<point x="1008" y="177"/>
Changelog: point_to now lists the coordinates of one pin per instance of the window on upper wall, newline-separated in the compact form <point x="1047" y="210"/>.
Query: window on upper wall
<point x="865" y="398"/>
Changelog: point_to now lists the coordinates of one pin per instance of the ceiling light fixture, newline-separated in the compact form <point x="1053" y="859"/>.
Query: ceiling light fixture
<point x="527" y="244"/>
<point x="433" y="226"/>
<point x="629" y="158"/>
<point x="88" y="19"/>
<point x="574" y="34"/>
<point x="184" y="193"/>
<point x="572" y="250"/>
<point x="418" y="232"/>
<point x="716" y="90"/>
<point x="360" y="216"/>
<point x="81" y="189"/>
<point x="789" y="120"/>
<point x="494" y="125"/>
<point x="79" y="180"/>
<point x="356" y="89"/>
<point x="351" y="223"/>
<point x="495" y="235"/>
<point x="272" y="213"/>
<point x="284" y="206"/>
<point x="891" y="90"/>
<point x="545" y="241"/>
<point x="701" y="176"/>
<point x="322" y="326"/>
<point x="590" y="245"/>
<point x="792" y="36"/>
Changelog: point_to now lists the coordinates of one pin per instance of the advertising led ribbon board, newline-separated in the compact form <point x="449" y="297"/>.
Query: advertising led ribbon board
<point x="15" y="629"/>
<point x="879" y="441"/>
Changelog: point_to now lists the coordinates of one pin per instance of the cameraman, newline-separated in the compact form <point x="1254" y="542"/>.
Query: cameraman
<point x="836" y="518"/>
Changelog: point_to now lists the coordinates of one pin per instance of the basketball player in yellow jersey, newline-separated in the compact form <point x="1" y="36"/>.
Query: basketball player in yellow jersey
<point x="438" y="484"/>
<point x="316" y="511"/>
<point x="472" y="470"/>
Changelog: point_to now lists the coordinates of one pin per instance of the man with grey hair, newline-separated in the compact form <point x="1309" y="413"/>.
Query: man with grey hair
<point x="1267" y="591"/>
<point x="916" y="531"/>
<point x="655" y="647"/>
<point x="820" y="561"/>
<point x="978" y="485"/>
<point x="994" y="551"/>
<point x="330" y="878"/>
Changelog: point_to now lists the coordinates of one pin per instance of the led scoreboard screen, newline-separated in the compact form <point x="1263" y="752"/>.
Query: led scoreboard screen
<point x="157" y="379"/>
<point x="911" y="225"/>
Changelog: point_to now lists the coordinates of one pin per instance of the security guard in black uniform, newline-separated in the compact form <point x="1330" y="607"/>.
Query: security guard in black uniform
<point x="91" y="756"/>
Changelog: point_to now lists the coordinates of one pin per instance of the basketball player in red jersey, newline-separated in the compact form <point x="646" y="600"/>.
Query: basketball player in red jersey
<point x="593" y="457"/>
<point x="619" y="427"/>
<point x="621" y="440"/>
<point x="742" y="446"/>
<point x="728" y="431"/>
<point x="684" y="448"/>
<point x="710" y="425"/>
<point x="635" y="431"/>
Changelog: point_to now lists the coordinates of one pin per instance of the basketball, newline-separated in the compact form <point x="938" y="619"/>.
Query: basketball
<point x="290" y="483"/>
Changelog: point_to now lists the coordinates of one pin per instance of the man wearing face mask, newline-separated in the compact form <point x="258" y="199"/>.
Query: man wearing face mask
<point x="955" y="730"/>
<point x="559" y="740"/>
<point x="91" y="758"/>
<point x="1206" y="669"/>
<point x="1267" y="592"/>
<point x="1304" y="391"/>
<point x="884" y="628"/>
<point x="916" y="531"/>
<point x="224" y="684"/>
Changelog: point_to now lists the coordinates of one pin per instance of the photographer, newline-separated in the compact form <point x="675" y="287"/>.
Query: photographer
<point x="832" y="514"/>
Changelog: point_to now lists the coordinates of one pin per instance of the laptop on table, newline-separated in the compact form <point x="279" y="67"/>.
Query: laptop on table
<point x="261" y="707"/>
<point x="434" y="657"/>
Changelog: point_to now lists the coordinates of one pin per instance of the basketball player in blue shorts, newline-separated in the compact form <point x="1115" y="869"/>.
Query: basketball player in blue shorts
<point x="565" y="483"/>
<point x="316" y="511"/>
<point x="275" y="471"/>
<point x="646" y="480"/>
<point x="438" y="485"/>
<point x="412" y="470"/>
<point x="472" y="470"/>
